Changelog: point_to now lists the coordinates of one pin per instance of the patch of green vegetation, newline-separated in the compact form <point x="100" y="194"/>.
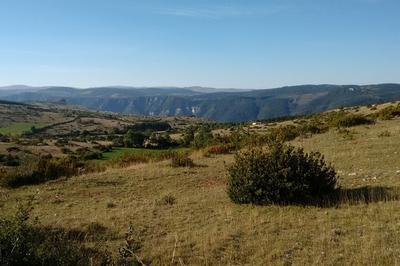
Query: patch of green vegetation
<point x="282" y="174"/>
<point x="20" y="128"/>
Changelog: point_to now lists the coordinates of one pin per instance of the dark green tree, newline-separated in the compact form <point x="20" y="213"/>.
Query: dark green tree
<point x="133" y="139"/>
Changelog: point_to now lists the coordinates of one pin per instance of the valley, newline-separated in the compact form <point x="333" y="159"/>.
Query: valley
<point x="183" y="215"/>
<point x="227" y="105"/>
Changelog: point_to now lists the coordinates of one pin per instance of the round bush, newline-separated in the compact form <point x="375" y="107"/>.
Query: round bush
<point x="181" y="160"/>
<point x="280" y="174"/>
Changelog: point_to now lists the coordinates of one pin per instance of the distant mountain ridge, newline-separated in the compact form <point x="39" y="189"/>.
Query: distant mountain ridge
<point x="217" y="104"/>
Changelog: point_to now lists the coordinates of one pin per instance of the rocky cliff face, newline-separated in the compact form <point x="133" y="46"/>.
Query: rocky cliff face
<point x="219" y="105"/>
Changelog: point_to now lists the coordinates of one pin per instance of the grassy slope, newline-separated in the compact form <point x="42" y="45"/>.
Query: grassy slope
<point x="208" y="229"/>
<point x="119" y="152"/>
<point x="19" y="128"/>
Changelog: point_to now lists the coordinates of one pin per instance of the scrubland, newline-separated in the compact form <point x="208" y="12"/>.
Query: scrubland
<point x="203" y="227"/>
<point x="183" y="216"/>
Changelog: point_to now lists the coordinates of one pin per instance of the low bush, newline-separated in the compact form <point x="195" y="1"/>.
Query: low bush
<point x="219" y="149"/>
<point x="39" y="171"/>
<point x="9" y="160"/>
<point x="102" y="148"/>
<point x="347" y="134"/>
<point x="203" y="137"/>
<point x="283" y="133"/>
<point x="312" y="127"/>
<point x="181" y="160"/>
<point x="128" y="251"/>
<point x="388" y="112"/>
<point x="281" y="174"/>
<point x="167" y="200"/>
<point x="25" y="243"/>
<point x="61" y="142"/>
<point x="129" y="159"/>
<point x="118" y="141"/>
<point x="66" y="150"/>
<point x="350" y="120"/>
<point x="90" y="155"/>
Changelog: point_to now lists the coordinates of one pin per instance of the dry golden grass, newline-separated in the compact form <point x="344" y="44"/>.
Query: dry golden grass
<point x="204" y="228"/>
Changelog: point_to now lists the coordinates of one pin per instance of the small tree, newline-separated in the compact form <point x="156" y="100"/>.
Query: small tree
<point x="280" y="174"/>
<point x="203" y="137"/>
<point x="188" y="136"/>
<point x="133" y="139"/>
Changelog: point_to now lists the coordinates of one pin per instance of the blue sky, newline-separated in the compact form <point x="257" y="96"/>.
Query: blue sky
<point x="242" y="44"/>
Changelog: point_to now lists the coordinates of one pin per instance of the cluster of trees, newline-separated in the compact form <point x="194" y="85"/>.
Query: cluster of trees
<point x="137" y="139"/>
<point x="198" y="137"/>
<point x="146" y="135"/>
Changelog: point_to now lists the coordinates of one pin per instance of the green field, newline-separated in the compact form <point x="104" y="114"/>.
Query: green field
<point x="119" y="152"/>
<point x="19" y="128"/>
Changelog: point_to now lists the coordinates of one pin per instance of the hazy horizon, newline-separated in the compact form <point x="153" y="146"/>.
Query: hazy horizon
<point x="184" y="87"/>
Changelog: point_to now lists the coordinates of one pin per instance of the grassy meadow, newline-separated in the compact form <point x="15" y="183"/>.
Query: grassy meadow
<point x="202" y="227"/>
<point x="19" y="128"/>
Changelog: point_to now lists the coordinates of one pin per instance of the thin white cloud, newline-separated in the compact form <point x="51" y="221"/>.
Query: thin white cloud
<point x="217" y="12"/>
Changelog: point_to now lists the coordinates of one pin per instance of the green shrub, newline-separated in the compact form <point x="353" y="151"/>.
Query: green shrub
<point x="65" y="150"/>
<point x="133" y="139"/>
<point x="219" y="149"/>
<point x="312" y="127"/>
<point x="181" y="160"/>
<point x="61" y="142"/>
<point x="203" y="137"/>
<point x="237" y="138"/>
<point x="102" y="148"/>
<point x="25" y="243"/>
<point x="159" y="141"/>
<point x="283" y="133"/>
<point x="188" y="136"/>
<point x="118" y="141"/>
<point x="42" y="170"/>
<point x="9" y="160"/>
<point x="282" y="174"/>
<point x="351" y="120"/>
<point x="388" y="112"/>
<point x="347" y="134"/>
<point x="87" y="154"/>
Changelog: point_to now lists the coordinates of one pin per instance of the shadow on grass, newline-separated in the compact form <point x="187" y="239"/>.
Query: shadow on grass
<point x="361" y="195"/>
